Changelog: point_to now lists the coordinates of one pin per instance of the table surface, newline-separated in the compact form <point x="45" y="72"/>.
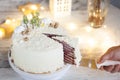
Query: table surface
<point x="83" y="73"/>
<point x="74" y="73"/>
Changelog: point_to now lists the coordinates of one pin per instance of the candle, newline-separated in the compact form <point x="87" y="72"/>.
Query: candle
<point x="2" y="33"/>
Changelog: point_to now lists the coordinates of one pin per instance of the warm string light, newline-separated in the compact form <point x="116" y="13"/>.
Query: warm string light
<point x="9" y="26"/>
<point x="2" y="33"/>
<point x="71" y="26"/>
<point x="91" y="42"/>
<point x="12" y="23"/>
<point x="42" y="8"/>
<point x="29" y="8"/>
<point x="88" y="40"/>
<point x="104" y="26"/>
<point x="95" y="42"/>
<point x="34" y="7"/>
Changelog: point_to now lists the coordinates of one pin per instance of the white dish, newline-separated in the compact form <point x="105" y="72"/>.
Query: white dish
<point x="29" y="76"/>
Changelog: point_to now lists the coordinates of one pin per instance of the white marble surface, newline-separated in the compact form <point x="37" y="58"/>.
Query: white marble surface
<point x="80" y="73"/>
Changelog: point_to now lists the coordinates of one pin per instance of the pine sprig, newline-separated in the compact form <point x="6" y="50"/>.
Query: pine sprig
<point x="35" y="21"/>
<point x="25" y="20"/>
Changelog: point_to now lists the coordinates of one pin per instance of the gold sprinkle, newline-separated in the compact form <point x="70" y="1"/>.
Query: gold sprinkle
<point x="56" y="25"/>
<point x="51" y="25"/>
<point x="25" y="32"/>
<point x="26" y="39"/>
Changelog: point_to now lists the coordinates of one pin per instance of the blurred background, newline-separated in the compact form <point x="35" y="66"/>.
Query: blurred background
<point x="10" y="6"/>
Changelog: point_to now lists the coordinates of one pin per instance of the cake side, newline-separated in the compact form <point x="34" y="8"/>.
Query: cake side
<point x="37" y="54"/>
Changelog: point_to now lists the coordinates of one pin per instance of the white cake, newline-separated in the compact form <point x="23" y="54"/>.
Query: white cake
<point x="37" y="52"/>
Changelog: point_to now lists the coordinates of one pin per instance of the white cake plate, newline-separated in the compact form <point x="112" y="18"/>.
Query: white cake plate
<point x="28" y="76"/>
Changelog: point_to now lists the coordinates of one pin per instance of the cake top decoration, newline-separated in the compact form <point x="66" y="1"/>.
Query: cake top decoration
<point x="35" y="21"/>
